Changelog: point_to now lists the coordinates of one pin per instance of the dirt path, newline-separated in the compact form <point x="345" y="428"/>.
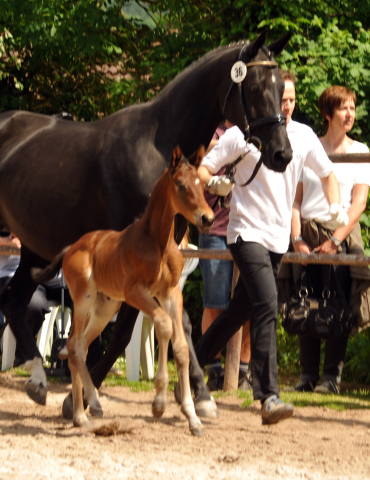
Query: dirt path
<point x="36" y="443"/>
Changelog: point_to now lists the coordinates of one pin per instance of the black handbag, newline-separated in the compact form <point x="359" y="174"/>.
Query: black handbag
<point x="325" y="316"/>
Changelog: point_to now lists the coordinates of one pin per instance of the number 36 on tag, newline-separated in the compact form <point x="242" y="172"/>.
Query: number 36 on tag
<point x="238" y="72"/>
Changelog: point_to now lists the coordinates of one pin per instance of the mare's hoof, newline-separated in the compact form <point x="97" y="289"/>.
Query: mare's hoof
<point x="37" y="392"/>
<point x="197" y="431"/>
<point x="177" y="392"/>
<point x="206" y="409"/>
<point x="67" y="408"/>
<point x="96" y="411"/>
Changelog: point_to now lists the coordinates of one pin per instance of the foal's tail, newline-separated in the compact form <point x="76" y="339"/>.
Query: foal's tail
<point x="42" y="275"/>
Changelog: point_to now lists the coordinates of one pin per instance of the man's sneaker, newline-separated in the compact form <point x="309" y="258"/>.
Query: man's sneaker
<point x="245" y="380"/>
<point x="327" y="387"/>
<point x="274" y="410"/>
<point x="215" y="379"/>
<point x="305" y="386"/>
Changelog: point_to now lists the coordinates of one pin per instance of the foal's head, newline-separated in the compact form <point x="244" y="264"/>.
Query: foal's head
<point x="187" y="190"/>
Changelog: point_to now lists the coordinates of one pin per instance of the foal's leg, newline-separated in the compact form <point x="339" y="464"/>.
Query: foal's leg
<point x="85" y="329"/>
<point x="123" y="328"/>
<point x="103" y="311"/>
<point x="76" y="357"/>
<point x="180" y="347"/>
<point x="141" y="299"/>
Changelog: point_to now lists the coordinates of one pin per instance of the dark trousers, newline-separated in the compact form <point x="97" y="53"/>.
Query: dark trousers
<point x="254" y="299"/>
<point x="335" y="348"/>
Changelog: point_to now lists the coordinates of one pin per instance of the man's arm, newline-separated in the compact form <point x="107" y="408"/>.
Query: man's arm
<point x="332" y="194"/>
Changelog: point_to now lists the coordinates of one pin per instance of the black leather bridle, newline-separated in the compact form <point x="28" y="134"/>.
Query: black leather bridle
<point x="278" y="119"/>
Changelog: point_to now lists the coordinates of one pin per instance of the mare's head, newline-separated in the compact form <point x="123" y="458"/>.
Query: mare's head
<point x="187" y="190"/>
<point x="253" y="100"/>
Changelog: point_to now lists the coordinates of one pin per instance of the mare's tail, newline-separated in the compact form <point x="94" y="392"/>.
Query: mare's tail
<point x="42" y="275"/>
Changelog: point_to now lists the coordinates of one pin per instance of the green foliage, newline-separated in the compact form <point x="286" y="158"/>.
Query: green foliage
<point x="357" y="364"/>
<point x="287" y="352"/>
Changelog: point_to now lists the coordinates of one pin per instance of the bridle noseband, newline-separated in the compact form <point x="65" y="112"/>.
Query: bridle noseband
<point x="278" y="119"/>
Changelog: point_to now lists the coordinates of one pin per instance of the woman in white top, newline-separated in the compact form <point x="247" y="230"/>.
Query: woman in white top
<point x="337" y="106"/>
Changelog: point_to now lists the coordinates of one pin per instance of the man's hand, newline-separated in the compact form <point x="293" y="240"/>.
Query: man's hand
<point x="220" y="185"/>
<point x="338" y="214"/>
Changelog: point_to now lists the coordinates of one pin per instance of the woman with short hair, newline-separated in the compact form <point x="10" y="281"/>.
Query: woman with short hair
<point x="337" y="105"/>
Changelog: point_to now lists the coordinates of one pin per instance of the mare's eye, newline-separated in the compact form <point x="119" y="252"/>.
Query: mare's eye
<point x="181" y="187"/>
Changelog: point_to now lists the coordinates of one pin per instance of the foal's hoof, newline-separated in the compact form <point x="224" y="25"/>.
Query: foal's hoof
<point x="158" y="408"/>
<point x="197" y="431"/>
<point x="37" y="392"/>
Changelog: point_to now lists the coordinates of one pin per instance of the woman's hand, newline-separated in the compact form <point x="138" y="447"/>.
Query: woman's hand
<point x="302" y="247"/>
<point x="327" y="247"/>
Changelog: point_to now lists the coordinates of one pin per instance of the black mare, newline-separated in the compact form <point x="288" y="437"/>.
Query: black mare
<point x="59" y="180"/>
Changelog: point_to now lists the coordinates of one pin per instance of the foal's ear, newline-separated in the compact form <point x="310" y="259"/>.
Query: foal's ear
<point x="196" y="158"/>
<point x="176" y="157"/>
<point x="279" y="45"/>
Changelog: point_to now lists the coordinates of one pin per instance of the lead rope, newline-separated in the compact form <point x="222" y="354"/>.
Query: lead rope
<point x="230" y="173"/>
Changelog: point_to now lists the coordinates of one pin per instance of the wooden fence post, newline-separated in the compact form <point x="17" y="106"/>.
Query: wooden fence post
<point x="233" y="348"/>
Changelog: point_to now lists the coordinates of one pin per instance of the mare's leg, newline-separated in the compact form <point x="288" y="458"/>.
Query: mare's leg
<point x="14" y="303"/>
<point x="205" y="406"/>
<point x="122" y="333"/>
<point x="173" y="304"/>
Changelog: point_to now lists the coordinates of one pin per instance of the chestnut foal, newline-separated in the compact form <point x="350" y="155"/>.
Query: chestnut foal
<point x="141" y="266"/>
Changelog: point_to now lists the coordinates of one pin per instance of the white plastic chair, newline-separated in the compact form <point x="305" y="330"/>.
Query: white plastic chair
<point x="45" y="336"/>
<point x="141" y="347"/>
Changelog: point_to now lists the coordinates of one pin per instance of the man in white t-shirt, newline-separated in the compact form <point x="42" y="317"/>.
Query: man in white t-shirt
<point x="258" y="235"/>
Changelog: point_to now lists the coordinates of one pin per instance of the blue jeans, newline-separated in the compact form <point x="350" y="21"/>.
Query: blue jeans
<point x="217" y="274"/>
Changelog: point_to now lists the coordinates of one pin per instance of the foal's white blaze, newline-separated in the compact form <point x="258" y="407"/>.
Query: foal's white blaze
<point x="197" y="181"/>
<point x="273" y="79"/>
<point x="37" y="371"/>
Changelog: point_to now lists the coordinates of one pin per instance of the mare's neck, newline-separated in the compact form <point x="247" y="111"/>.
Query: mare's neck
<point x="189" y="108"/>
<point x="160" y="214"/>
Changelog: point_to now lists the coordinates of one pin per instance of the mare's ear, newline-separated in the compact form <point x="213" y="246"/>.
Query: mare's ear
<point x="176" y="157"/>
<point x="196" y="158"/>
<point x="257" y="43"/>
<point x="279" y="45"/>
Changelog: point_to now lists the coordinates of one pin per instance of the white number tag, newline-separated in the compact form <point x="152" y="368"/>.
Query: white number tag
<point x="238" y="72"/>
